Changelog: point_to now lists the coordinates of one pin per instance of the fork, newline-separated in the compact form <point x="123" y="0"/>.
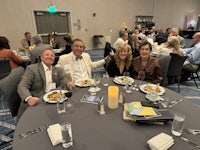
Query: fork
<point x="193" y="131"/>
<point x="33" y="131"/>
<point x="175" y="102"/>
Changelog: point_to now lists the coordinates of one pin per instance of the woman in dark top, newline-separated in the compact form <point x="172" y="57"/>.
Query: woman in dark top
<point x="68" y="42"/>
<point x="121" y="63"/>
<point x="147" y="64"/>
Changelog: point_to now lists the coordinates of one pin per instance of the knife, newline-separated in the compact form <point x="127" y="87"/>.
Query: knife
<point x="190" y="142"/>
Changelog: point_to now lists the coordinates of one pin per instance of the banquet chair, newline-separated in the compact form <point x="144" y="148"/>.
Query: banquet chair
<point x="164" y="64"/>
<point x="8" y="86"/>
<point x="175" y="68"/>
<point x="5" y="68"/>
<point x="195" y="74"/>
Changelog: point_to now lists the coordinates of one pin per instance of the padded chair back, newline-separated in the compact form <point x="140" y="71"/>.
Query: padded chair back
<point x="8" y="86"/>
<point x="5" y="68"/>
<point x="107" y="49"/>
<point x="175" y="65"/>
<point x="164" y="61"/>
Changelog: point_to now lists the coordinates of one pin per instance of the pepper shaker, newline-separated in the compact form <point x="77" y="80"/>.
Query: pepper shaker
<point x="102" y="111"/>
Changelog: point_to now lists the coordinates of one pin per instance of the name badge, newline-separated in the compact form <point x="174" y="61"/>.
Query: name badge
<point x="52" y="86"/>
<point x="67" y="67"/>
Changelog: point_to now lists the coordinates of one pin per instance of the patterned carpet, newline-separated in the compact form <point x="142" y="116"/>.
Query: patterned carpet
<point x="188" y="89"/>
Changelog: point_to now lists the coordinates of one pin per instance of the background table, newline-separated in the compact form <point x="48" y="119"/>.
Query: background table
<point x="92" y="131"/>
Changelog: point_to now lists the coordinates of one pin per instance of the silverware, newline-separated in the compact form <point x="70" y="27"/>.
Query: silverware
<point x="193" y="131"/>
<point x="175" y="102"/>
<point x="33" y="131"/>
<point x="190" y="142"/>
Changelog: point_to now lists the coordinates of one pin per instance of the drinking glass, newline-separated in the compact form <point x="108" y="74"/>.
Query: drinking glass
<point x="69" y="106"/>
<point x="178" y="124"/>
<point x="66" y="130"/>
<point x="105" y="80"/>
<point x="141" y="75"/>
<point x="97" y="79"/>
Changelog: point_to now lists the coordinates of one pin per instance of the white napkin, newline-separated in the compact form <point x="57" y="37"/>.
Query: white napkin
<point x="55" y="134"/>
<point x="161" y="141"/>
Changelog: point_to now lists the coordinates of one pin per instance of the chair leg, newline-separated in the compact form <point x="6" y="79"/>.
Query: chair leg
<point x="194" y="79"/>
<point x="178" y="85"/>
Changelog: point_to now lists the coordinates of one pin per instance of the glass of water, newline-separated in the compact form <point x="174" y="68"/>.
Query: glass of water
<point x="66" y="130"/>
<point x="178" y="124"/>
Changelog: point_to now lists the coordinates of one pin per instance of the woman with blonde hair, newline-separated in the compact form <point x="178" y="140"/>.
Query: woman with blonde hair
<point x="172" y="46"/>
<point x="134" y="43"/>
<point x="122" y="61"/>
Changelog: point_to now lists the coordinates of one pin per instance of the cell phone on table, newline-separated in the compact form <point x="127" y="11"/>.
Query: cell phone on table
<point x="149" y="104"/>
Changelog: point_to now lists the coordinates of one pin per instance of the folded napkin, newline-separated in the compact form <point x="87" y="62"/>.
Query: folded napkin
<point x="55" y="134"/>
<point x="161" y="141"/>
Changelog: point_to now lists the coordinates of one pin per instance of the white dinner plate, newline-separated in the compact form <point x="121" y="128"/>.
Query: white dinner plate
<point x="143" y="88"/>
<point x="158" y="98"/>
<point x="46" y="99"/>
<point x="123" y="79"/>
<point x="84" y="82"/>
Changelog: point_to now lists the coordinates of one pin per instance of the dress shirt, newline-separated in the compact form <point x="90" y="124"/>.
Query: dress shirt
<point x="118" y="42"/>
<point x="193" y="54"/>
<point x="80" y="70"/>
<point x="48" y="77"/>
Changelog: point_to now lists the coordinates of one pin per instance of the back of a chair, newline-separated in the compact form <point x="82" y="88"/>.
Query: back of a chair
<point x="164" y="61"/>
<point x="175" y="65"/>
<point x="5" y="68"/>
<point x="8" y="86"/>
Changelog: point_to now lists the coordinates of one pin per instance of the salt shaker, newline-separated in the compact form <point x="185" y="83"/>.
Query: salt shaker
<point x="124" y="99"/>
<point x="102" y="111"/>
<point x="121" y="98"/>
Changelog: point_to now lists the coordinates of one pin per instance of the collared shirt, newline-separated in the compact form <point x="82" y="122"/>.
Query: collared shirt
<point x="193" y="54"/>
<point x="80" y="69"/>
<point x="48" y="77"/>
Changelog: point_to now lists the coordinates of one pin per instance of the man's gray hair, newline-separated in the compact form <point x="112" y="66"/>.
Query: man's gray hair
<point x="37" y="39"/>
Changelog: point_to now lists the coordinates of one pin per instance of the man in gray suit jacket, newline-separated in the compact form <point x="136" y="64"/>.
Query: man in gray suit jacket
<point x="77" y="63"/>
<point x="41" y="78"/>
<point x="37" y="50"/>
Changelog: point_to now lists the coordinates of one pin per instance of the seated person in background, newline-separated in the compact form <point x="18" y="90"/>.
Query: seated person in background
<point x="193" y="60"/>
<point x="153" y="31"/>
<point x="123" y="38"/>
<point x="38" y="49"/>
<point x="121" y="62"/>
<point x="39" y="79"/>
<point x="134" y="42"/>
<point x="168" y="31"/>
<point x="172" y="46"/>
<point x="142" y="35"/>
<point x="52" y="41"/>
<point x="147" y="64"/>
<point x="161" y="37"/>
<point x="77" y="63"/>
<point x="7" y="53"/>
<point x="68" y="44"/>
<point x="26" y="42"/>
<point x="175" y="32"/>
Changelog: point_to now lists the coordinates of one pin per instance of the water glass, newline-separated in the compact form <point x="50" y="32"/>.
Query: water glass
<point x="128" y="87"/>
<point x="105" y="80"/>
<point x="66" y="130"/>
<point x="178" y="124"/>
<point x="153" y="94"/>
<point x="61" y="108"/>
<point x="97" y="79"/>
<point x="141" y="75"/>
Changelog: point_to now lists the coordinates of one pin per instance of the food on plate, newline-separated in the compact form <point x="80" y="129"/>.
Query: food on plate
<point x="149" y="88"/>
<point x="85" y="82"/>
<point x="55" y="95"/>
<point x="123" y="80"/>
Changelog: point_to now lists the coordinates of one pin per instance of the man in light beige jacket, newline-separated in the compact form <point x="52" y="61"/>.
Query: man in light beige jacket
<point x="77" y="63"/>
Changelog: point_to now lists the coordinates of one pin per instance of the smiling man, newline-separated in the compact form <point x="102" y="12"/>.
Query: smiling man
<point x="39" y="79"/>
<point x="77" y="63"/>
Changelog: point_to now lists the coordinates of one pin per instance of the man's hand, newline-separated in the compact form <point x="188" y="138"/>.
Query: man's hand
<point x="70" y="85"/>
<point x="107" y="58"/>
<point x="33" y="101"/>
